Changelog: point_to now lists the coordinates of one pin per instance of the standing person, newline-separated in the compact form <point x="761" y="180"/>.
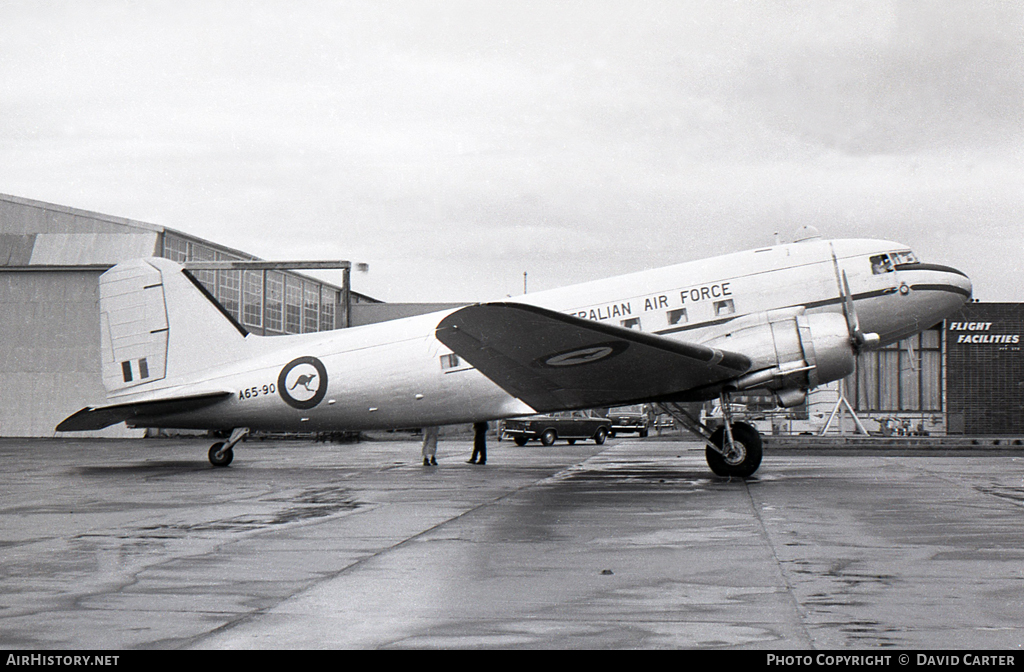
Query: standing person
<point x="430" y="446"/>
<point x="479" y="444"/>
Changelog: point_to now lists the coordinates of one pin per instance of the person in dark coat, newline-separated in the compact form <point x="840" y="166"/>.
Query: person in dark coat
<point x="479" y="444"/>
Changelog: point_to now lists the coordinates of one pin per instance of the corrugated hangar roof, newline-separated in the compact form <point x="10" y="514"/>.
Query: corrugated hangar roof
<point x="36" y="233"/>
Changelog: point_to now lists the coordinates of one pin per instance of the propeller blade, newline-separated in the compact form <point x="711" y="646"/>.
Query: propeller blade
<point x="851" y="313"/>
<point x="861" y="341"/>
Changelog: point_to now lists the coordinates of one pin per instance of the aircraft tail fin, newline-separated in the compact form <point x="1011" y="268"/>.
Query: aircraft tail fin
<point x="159" y="325"/>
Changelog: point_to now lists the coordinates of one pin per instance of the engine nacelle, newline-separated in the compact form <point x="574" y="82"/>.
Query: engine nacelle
<point x="791" y="353"/>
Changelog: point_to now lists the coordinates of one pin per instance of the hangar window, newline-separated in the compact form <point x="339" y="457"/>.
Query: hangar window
<point x="252" y="298"/>
<point x="207" y="278"/>
<point x="176" y="249"/>
<point x="903" y="376"/>
<point x="229" y="285"/>
<point x="328" y="300"/>
<point x="292" y="305"/>
<point x="275" y="301"/>
<point x="311" y="308"/>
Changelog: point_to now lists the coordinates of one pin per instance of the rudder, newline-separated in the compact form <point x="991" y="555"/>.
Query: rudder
<point x="158" y="327"/>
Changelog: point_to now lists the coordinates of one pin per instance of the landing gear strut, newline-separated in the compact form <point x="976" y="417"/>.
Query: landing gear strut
<point x="731" y="450"/>
<point x="221" y="453"/>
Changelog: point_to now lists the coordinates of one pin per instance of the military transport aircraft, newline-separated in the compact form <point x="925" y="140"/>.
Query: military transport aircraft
<point x="781" y="319"/>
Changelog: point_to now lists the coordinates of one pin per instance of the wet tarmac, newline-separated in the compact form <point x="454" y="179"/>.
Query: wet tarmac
<point x="141" y="544"/>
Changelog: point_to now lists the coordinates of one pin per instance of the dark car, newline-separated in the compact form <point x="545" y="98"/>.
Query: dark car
<point x="572" y="426"/>
<point x="628" y="419"/>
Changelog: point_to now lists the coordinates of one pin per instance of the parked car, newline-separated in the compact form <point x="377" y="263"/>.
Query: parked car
<point x="571" y="426"/>
<point x="629" y="419"/>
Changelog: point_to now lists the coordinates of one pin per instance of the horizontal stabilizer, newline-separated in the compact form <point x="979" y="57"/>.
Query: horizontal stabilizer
<point x="98" y="417"/>
<point x="554" y="361"/>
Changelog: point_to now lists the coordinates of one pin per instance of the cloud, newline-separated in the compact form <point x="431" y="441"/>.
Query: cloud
<point x="572" y="140"/>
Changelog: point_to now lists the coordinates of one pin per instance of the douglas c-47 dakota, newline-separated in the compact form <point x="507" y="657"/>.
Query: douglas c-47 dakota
<point x="781" y="319"/>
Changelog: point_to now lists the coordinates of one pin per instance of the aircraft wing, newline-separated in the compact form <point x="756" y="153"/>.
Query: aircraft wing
<point x="554" y="361"/>
<point x="98" y="417"/>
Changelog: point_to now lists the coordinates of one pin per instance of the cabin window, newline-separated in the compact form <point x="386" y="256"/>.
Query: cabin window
<point x="881" y="263"/>
<point x="449" y="361"/>
<point x="726" y="307"/>
<point x="631" y="323"/>
<point x="677" y="316"/>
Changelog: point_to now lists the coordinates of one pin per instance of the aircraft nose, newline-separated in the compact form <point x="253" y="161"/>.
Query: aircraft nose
<point x="949" y="282"/>
<point x="957" y="283"/>
<point x="963" y="283"/>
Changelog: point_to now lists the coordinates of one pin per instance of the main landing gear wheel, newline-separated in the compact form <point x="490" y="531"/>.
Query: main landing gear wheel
<point x="219" y="457"/>
<point x="742" y="458"/>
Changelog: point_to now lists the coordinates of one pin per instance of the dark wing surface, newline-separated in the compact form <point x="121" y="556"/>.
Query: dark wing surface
<point x="554" y="361"/>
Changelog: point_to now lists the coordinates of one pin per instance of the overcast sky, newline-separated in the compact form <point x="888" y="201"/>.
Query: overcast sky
<point x="455" y="145"/>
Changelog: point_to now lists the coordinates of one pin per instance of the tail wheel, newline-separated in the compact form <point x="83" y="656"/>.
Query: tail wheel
<point x="220" y="457"/>
<point x="742" y="458"/>
<point x="548" y="437"/>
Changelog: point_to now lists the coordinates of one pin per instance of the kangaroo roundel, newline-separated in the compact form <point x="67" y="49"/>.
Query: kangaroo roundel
<point x="302" y="383"/>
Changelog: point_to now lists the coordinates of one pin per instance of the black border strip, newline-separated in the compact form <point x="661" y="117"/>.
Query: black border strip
<point x="930" y="267"/>
<point x="942" y="288"/>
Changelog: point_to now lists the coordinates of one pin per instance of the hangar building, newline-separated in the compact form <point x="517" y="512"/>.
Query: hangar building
<point x="51" y="257"/>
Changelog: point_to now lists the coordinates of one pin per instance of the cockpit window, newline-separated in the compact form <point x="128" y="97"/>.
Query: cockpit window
<point x="887" y="263"/>
<point x="904" y="257"/>
<point x="881" y="264"/>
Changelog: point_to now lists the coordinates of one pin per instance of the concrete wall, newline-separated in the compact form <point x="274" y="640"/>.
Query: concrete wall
<point x="49" y="351"/>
